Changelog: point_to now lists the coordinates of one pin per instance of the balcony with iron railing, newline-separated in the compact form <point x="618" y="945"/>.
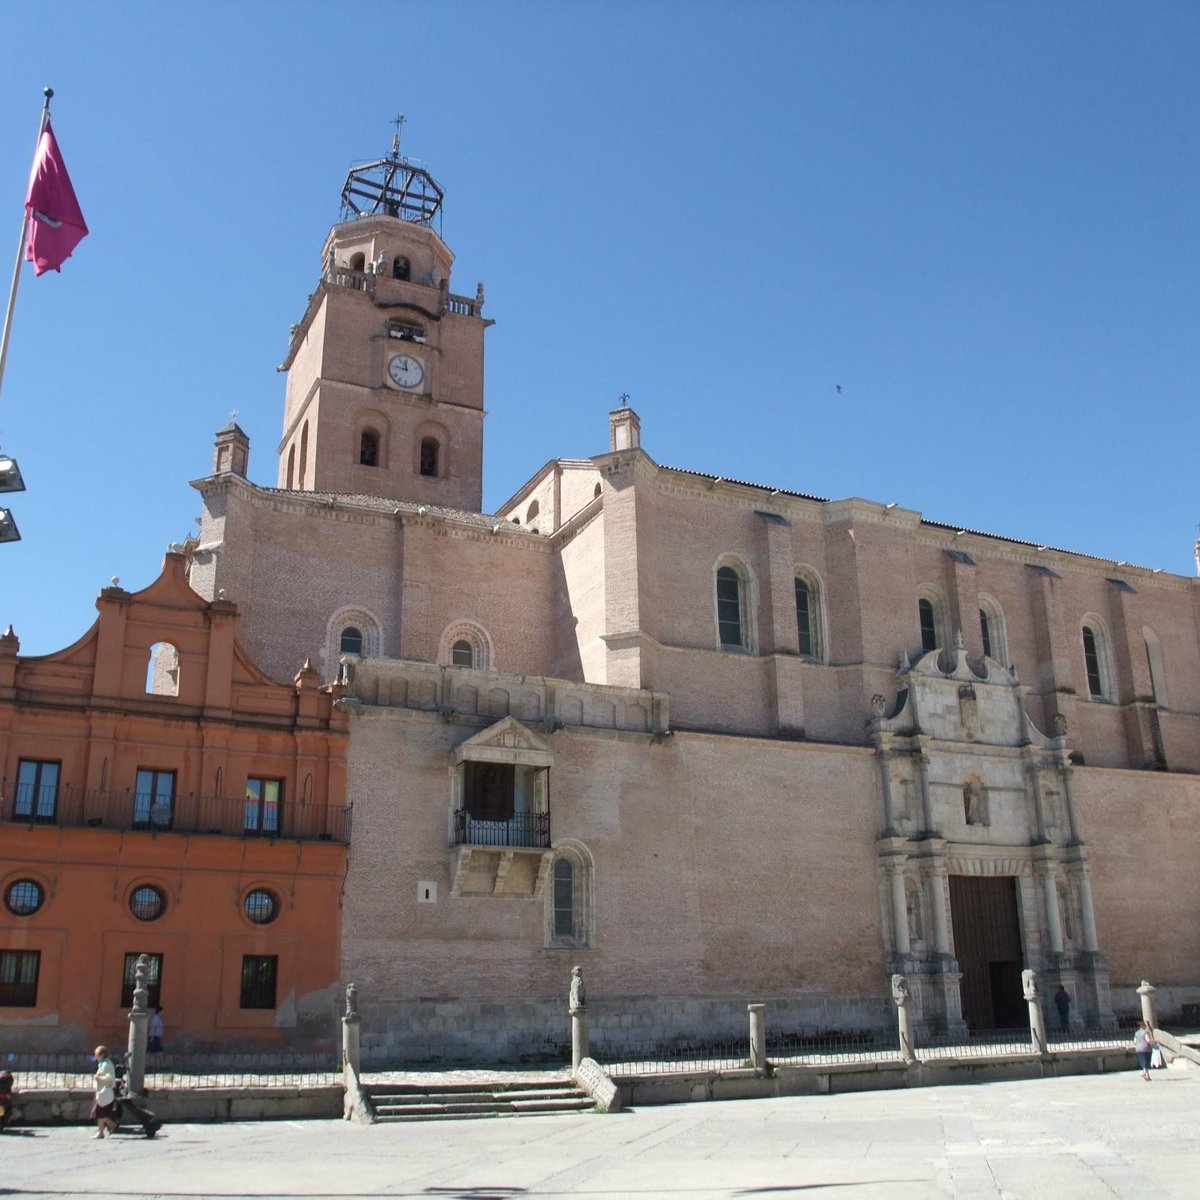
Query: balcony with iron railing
<point x="100" y="808"/>
<point x="366" y="281"/>
<point x="524" y="830"/>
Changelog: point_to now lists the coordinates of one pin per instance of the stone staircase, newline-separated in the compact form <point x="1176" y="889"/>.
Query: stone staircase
<point x="468" y="1101"/>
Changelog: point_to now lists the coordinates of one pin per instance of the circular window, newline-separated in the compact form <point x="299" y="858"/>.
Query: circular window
<point x="147" y="903"/>
<point x="261" y="907"/>
<point x="24" y="897"/>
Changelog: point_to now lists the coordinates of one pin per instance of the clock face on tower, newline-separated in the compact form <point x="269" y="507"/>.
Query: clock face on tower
<point x="405" y="371"/>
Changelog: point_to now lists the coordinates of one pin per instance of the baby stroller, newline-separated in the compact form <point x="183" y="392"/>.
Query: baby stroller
<point x="128" y="1109"/>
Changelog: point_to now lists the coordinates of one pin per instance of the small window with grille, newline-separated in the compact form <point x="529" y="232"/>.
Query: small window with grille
<point x="259" y="978"/>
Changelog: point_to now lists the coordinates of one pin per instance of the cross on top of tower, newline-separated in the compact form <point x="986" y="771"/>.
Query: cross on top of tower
<point x="392" y="186"/>
<point x="399" y="122"/>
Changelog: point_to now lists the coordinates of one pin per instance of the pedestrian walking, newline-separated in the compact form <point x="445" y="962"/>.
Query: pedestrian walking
<point x="1143" y="1047"/>
<point x="154" y="1031"/>
<point x="105" y="1101"/>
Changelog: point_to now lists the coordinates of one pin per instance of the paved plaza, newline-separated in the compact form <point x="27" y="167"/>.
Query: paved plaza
<point x="1062" y="1139"/>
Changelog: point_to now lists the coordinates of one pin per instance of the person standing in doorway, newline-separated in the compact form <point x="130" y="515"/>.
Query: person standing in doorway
<point x="1143" y="1047"/>
<point x="154" y="1031"/>
<point x="1062" y="1002"/>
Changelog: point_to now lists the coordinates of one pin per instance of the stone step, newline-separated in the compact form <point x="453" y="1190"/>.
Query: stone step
<point x="478" y="1085"/>
<point x="393" y="1096"/>
<point x="406" y="1102"/>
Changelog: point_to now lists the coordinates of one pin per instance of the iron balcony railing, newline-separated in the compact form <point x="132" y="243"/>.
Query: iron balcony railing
<point x="101" y="808"/>
<point x="521" y="829"/>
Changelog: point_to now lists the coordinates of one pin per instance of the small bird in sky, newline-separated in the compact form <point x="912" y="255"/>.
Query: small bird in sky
<point x="839" y="388"/>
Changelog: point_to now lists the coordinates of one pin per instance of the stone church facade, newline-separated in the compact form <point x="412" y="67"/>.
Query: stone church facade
<point x="713" y="740"/>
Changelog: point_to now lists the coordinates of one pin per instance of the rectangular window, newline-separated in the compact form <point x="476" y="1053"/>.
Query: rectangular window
<point x="19" y="978"/>
<point x="154" y="800"/>
<point x="1091" y="660"/>
<point x="729" y="607"/>
<point x="488" y="790"/>
<point x="37" y="790"/>
<point x="259" y="975"/>
<point x="263" y="800"/>
<point x="929" y="635"/>
<point x="986" y="631"/>
<point x="153" y="979"/>
<point x="564" y="898"/>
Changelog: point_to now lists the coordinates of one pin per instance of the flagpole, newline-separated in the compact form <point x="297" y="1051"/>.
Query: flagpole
<point x="16" y="279"/>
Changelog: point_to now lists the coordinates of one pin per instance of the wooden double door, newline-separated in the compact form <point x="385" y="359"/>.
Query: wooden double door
<point x="987" y="944"/>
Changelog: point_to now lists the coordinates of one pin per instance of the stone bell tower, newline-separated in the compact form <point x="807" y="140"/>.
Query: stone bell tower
<point x="385" y="368"/>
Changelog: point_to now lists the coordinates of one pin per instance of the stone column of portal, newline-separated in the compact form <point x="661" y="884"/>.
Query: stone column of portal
<point x="1091" y="942"/>
<point x="1034" y="775"/>
<point x="139" y="1015"/>
<point x="1146" y="994"/>
<point x="904" y="1018"/>
<point x="885" y="777"/>
<point x="577" y="1006"/>
<point x="758" y="1035"/>
<point x="1053" y="917"/>
<point x="351" y="1032"/>
<point x="899" y="911"/>
<point x="926" y="799"/>
<point x="937" y="903"/>
<point x="1037" y="1021"/>
<point x="1064" y="771"/>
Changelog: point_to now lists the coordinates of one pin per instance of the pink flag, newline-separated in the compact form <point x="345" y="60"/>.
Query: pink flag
<point x="56" y="224"/>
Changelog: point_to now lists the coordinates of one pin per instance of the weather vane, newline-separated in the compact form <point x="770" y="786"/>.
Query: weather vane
<point x="624" y="399"/>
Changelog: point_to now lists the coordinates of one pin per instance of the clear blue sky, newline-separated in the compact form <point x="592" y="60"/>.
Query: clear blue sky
<point x="977" y="218"/>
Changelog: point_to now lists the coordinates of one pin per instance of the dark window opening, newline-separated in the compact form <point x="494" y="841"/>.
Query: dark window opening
<point x="564" y="898"/>
<point x="259" y="976"/>
<point x="985" y="629"/>
<point x="37" y="791"/>
<point x="358" y="262"/>
<point x="291" y="475"/>
<point x="147" y="903"/>
<point x="153" y="980"/>
<point x="405" y="332"/>
<point x="929" y="636"/>
<point x="463" y="654"/>
<point x="401" y="267"/>
<point x="1091" y="659"/>
<point x="263" y="802"/>
<point x="351" y="641"/>
<point x="729" y="607"/>
<point x="368" y="448"/>
<point x="429" y="457"/>
<point x="154" y="800"/>
<point x="19" y="978"/>
<point x="489" y="790"/>
<point x="804" y="617"/>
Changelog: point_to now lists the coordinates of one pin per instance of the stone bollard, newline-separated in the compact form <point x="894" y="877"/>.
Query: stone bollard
<point x="139" y="1015"/>
<point x="758" y="1035"/>
<point x="1037" y="1020"/>
<point x="351" y="1024"/>
<point x="1146" y="992"/>
<point x="904" y="1017"/>
<point x="579" y="1019"/>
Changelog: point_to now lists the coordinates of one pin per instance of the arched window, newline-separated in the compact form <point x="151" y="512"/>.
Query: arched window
<point x="351" y="641"/>
<point x="401" y="267"/>
<point x="934" y="623"/>
<point x="368" y="448"/>
<point x="596" y="492"/>
<point x="358" y="262"/>
<point x="429" y="456"/>
<point x="1097" y="660"/>
<point x="465" y="644"/>
<point x="992" y="630"/>
<point x="303" y="455"/>
<point x="729" y="607"/>
<point x="929" y="637"/>
<point x="162" y="670"/>
<point x="568" y="911"/>
<point x="531" y="512"/>
<point x="350" y="631"/>
<point x="809" y="615"/>
<point x="291" y="474"/>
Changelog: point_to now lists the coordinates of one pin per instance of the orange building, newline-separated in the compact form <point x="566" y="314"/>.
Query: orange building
<point x="160" y="795"/>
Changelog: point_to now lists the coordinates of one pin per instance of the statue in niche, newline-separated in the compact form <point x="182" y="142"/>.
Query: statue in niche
<point x="912" y="909"/>
<point x="1029" y="984"/>
<point x="900" y="992"/>
<point x="1066" y="913"/>
<point x="878" y="706"/>
<point x="968" y="710"/>
<point x="974" y="803"/>
<point x="1060" y="725"/>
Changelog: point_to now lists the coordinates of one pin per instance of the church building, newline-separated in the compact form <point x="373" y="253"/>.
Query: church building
<point x="713" y="740"/>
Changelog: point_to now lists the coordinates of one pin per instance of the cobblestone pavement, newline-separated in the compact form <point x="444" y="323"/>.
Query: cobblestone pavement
<point x="1109" y="1136"/>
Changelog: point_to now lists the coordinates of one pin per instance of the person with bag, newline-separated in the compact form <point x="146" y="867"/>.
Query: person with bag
<point x="1143" y="1046"/>
<point x="104" y="1106"/>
